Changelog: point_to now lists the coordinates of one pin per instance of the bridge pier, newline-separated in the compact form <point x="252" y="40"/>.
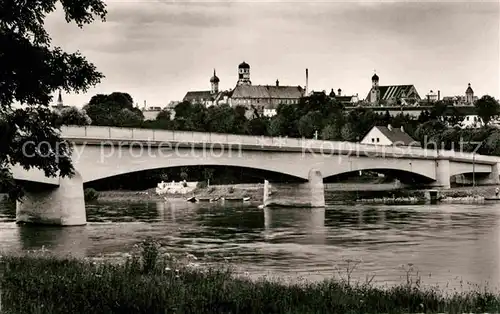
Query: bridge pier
<point x="442" y="174"/>
<point x="62" y="206"/>
<point x="492" y="178"/>
<point x="309" y="194"/>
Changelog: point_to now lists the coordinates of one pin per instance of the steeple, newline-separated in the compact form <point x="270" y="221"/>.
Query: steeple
<point x="375" y="79"/>
<point x="59" y="101"/>
<point x="469" y="95"/>
<point x="244" y="74"/>
<point x="214" y="83"/>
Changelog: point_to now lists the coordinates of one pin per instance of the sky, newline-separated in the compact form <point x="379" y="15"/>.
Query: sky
<point x="157" y="50"/>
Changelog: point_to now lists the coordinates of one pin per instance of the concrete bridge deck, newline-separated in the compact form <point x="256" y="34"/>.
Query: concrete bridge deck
<point x="92" y="135"/>
<point x="311" y="160"/>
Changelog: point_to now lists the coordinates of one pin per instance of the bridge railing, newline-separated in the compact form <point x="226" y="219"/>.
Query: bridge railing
<point x="263" y="142"/>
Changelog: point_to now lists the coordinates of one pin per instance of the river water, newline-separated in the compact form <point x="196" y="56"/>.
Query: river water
<point x="447" y="244"/>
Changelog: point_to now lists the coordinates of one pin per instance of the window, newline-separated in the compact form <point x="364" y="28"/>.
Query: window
<point x="373" y="140"/>
<point x="378" y="140"/>
<point x="467" y="118"/>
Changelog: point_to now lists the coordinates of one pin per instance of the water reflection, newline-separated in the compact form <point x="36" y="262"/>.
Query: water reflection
<point x="448" y="241"/>
<point x="59" y="240"/>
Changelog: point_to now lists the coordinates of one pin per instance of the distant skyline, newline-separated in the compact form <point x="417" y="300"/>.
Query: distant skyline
<point x="159" y="50"/>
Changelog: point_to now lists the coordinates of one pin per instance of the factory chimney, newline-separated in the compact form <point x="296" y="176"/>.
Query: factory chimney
<point x="307" y="82"/>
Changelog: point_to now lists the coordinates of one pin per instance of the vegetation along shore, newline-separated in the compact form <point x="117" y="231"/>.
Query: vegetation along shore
<point x="348" y="192"/>
<point x="152" y="282"/>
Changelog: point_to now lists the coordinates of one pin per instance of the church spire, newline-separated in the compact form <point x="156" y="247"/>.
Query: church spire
<point x="59" y="100"/>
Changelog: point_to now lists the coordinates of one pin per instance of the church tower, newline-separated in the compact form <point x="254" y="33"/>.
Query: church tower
<point x="60" y="103"/>
<point x="469" y="95"/>
<point x="375" y="92"/>
<point x="244" y="74"/>
<point x="214" y="83"/>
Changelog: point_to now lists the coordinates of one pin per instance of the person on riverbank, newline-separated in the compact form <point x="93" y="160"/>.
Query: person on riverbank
<point x="496" y="192"/>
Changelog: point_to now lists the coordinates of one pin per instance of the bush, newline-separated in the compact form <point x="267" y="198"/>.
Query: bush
<point x="90" y="195"/>
<point x="231" y="190"/>
<point x="201" y="184"/>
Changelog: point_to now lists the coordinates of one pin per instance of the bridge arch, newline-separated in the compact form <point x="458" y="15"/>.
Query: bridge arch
<point x="247" y="174"/>
<point x="403" y="176"/>
<point x="94" y="165"/>
<point x="422" y="169"/>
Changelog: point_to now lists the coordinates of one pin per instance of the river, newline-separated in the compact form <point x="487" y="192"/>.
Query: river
<point x="447" y="244"/>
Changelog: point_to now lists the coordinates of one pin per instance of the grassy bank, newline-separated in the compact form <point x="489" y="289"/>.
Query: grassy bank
<point x="150" y="283"/>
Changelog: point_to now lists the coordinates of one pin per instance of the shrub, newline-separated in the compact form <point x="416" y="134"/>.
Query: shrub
<point x="201" y="184"/>
<point x="150" y="251"/>
<point x="90" y="195"/>
<point x="231" y="190"/>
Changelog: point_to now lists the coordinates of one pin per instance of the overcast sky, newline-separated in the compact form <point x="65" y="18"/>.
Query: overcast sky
<point x="158" y="50"/>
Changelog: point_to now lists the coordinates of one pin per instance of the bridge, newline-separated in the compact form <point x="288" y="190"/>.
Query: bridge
<point x="103" y="152"/>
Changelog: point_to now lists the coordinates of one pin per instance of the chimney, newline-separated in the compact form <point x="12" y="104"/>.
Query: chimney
<point x="340" y="91"/>
<point x="402" y="129"/>
<point x="389" y="127"/>
<point x="307" y="81"/>
<point x="439" y="95"/>
<point x="277" y="82"/>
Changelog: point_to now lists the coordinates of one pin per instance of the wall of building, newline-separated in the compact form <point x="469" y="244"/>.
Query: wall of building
<point x="376" y="137"/>
<point x="150" y="114"/>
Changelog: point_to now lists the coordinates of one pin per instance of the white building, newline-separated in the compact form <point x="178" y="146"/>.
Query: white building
<point x="389" y="136"/>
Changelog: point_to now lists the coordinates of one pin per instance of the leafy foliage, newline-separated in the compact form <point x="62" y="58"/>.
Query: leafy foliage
<point x="487" y="108"/>
<point x="30" y="71"/>
<point x="116" y="109"/>
<point x="74" y="116"/>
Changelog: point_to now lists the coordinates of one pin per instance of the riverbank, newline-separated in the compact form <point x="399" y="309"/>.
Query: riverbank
<point x="236" y="191"/>
<point x="151" y="282"/>
<point x="255" y="192"/>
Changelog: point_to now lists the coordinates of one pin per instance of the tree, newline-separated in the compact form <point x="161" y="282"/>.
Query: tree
<point x="310" y="123"/>
<point x="330" y="133"/>
<point x="126" y="118"/>
<point x="208" y="174"/>
<point x="184" y="173"/>
<point x="487" y="108"/>
<point x="31" y="70"/>
<point x="74" y="116"/>
<point x="115" y="109"/>
<point x="220" y="119"/>
<point x="275" y="127"/>
<point x="348" y="133"/>
<point x="258" y="126"/>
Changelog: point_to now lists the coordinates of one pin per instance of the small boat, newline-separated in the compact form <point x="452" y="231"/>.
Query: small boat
<point x="246" y="199"/>
<point x="261" y="206"/>
<point x="492" y="198"/>
<point x="192" y="199"/>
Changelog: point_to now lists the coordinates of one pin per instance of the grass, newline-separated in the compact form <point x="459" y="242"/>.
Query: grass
<point x="149" y="282"/>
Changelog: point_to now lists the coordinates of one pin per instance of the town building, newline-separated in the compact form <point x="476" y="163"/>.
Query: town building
<point x="463" y="100"/>
<point x="344" y="99"/>
<point x="210" y="97"/>
<point x="257" y="99"/>
<point x="405" y="95"/>
<point x="389" y="136"/>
